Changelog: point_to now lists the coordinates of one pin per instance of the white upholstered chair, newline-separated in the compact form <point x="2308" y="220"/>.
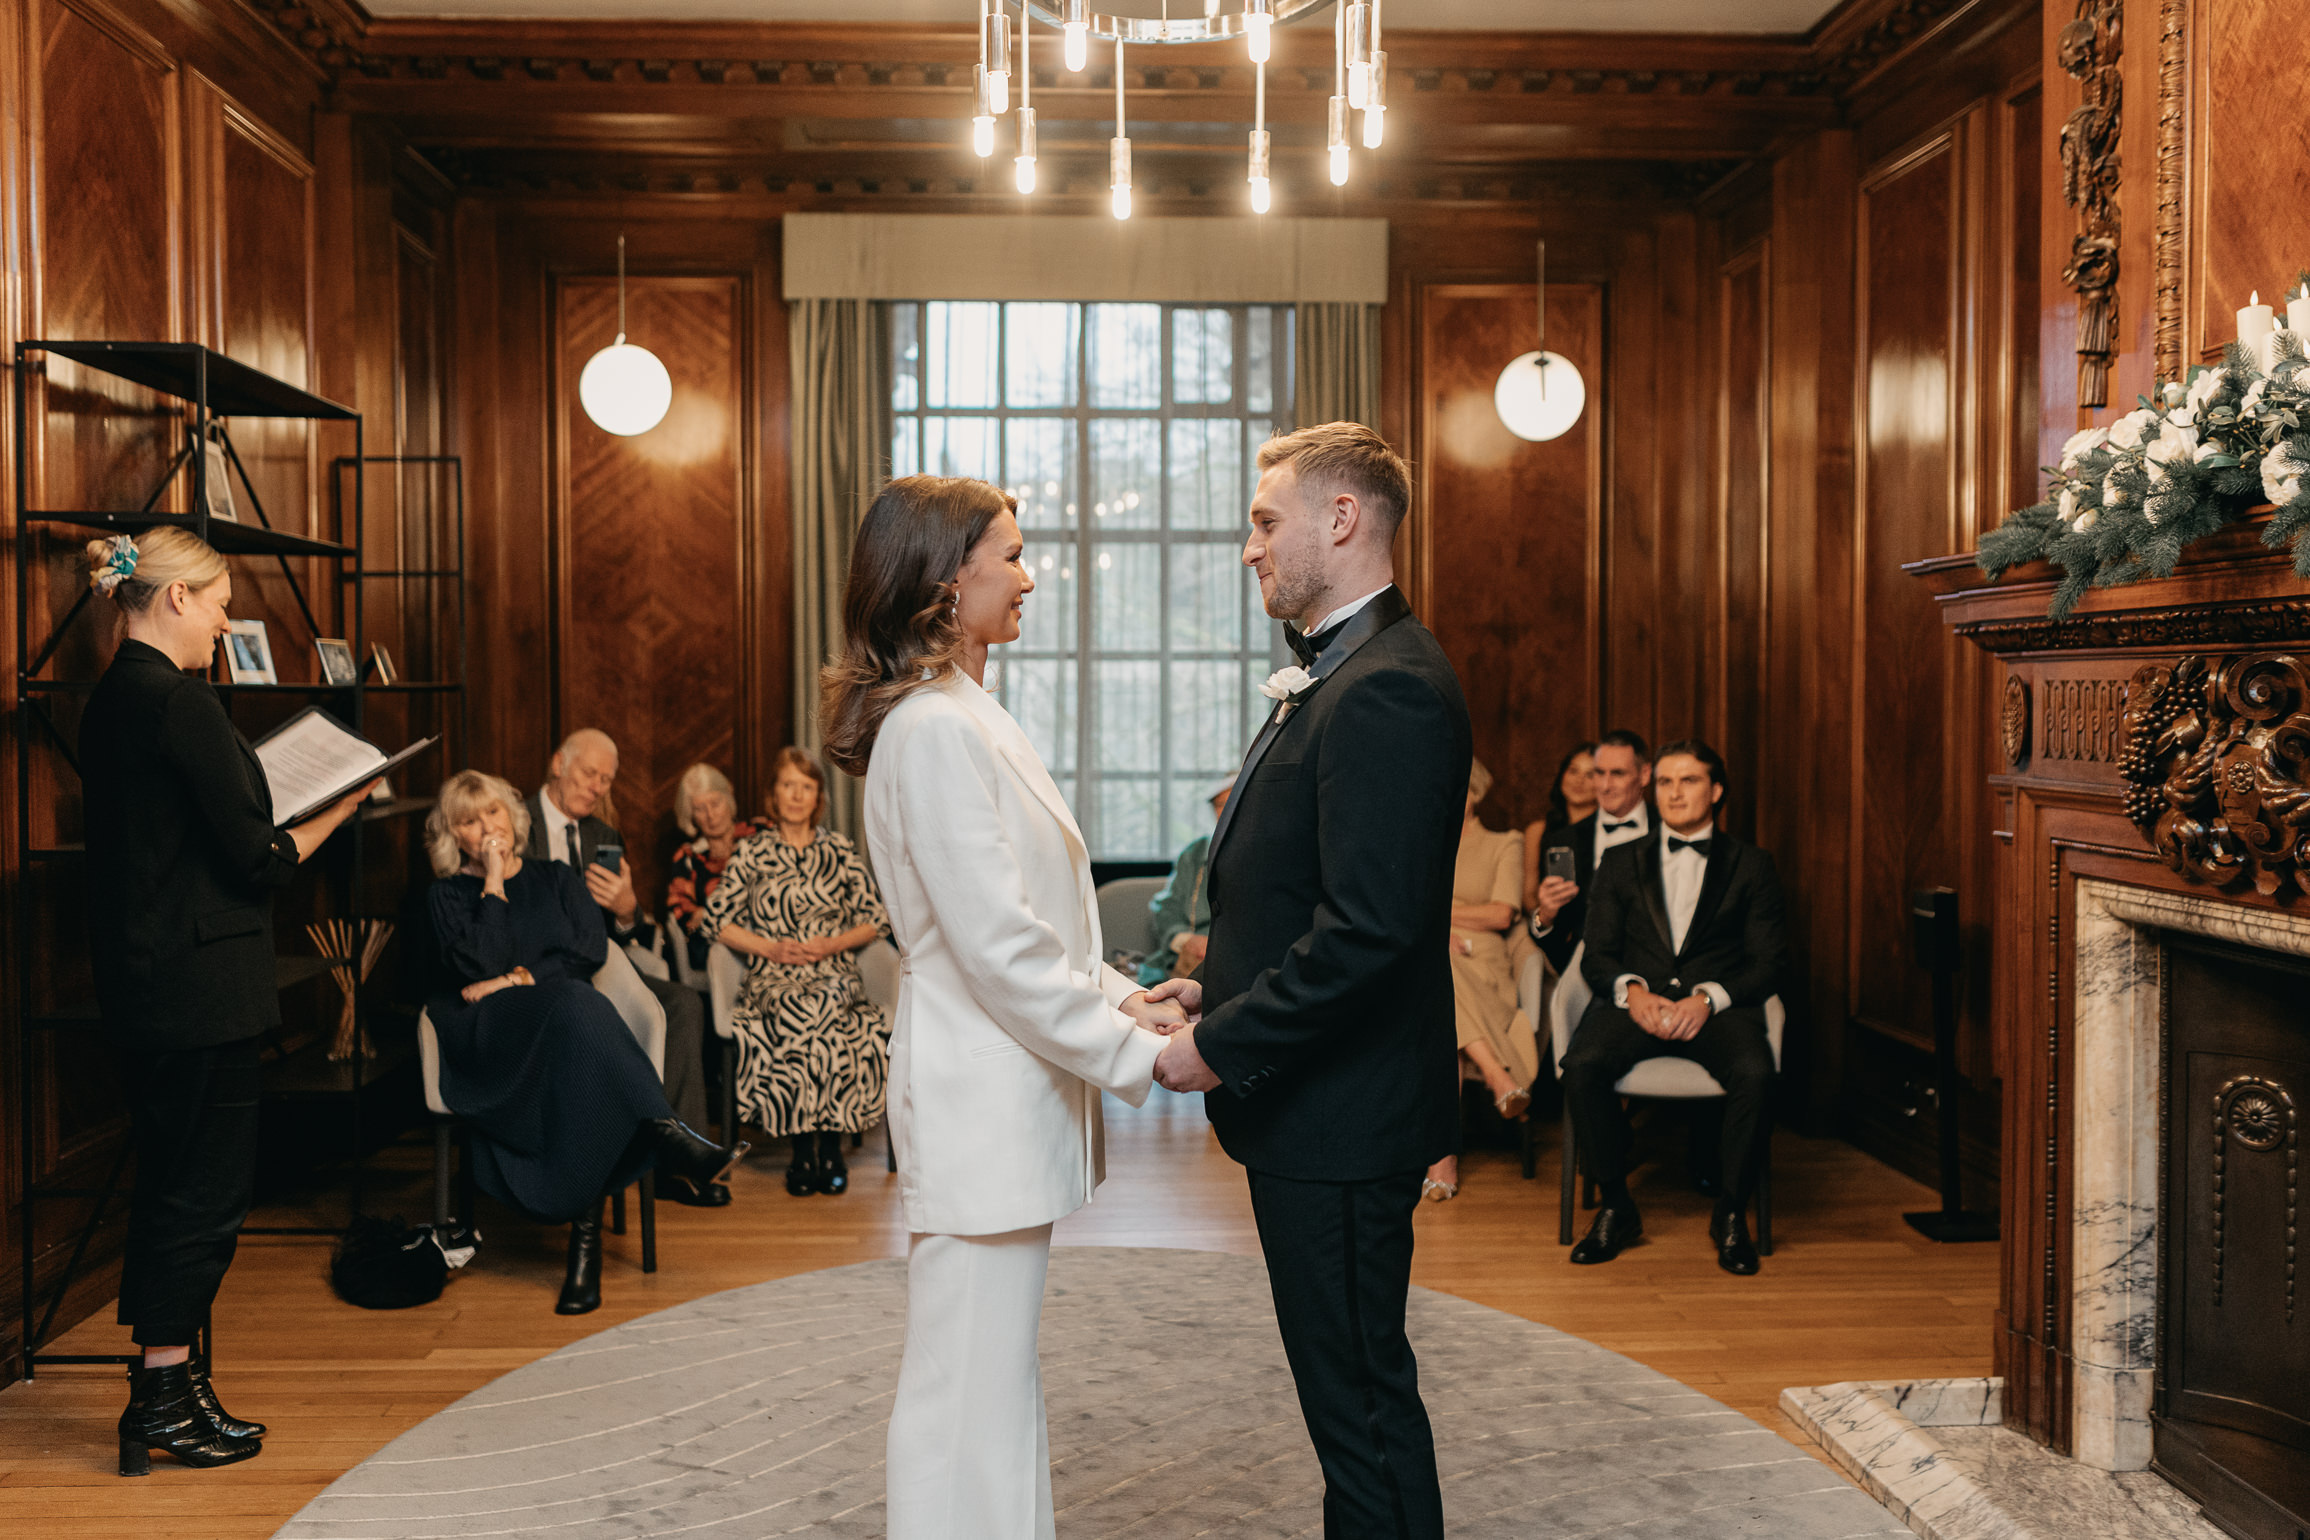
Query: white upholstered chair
<point x="1126" y="923"/>
<point x="725" y="976"/>
<point x="1666" y="1079"/>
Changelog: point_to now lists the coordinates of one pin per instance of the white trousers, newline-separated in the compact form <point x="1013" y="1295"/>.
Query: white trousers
<point x="970" y="1452"/>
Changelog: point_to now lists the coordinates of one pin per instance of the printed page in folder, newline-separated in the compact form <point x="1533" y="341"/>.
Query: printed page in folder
<point x="313" y="759"/>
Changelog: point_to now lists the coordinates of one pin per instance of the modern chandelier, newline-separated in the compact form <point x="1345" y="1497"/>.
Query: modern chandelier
<point x="1359" y="77"/>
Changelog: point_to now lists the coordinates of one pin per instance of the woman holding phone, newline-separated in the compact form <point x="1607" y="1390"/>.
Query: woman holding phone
<point x="183" y="863"/>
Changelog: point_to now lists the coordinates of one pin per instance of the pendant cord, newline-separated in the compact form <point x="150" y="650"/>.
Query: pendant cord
<point x="621" y="286"/>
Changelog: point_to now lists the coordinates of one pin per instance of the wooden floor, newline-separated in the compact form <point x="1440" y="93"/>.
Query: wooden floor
<point x="1852" y="1294"/>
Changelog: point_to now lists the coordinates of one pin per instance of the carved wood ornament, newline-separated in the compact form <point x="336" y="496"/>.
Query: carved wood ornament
<point x="2013" y="725"/>
<point x="2089" y="50"/>
<point x="2215" y="762"/>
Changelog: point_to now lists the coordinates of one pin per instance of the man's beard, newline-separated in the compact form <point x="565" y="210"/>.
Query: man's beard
<point x="1293" y="595"/>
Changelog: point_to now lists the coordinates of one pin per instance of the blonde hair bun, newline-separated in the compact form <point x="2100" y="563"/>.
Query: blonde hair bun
<point x="132" y="570"/>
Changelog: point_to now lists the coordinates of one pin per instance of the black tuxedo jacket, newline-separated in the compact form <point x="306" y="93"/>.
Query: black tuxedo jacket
<point x="183" y="859"/>
<point x="1737" y="938"/>
<point x="1328" y="984"/>
<point x="593" y="834"/>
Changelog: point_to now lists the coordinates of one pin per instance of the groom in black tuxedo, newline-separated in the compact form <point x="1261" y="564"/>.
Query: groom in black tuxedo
<point x="1326" y="1045"/>
<point x="1684" y="945"/>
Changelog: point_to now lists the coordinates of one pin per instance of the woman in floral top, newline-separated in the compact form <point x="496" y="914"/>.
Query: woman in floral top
<point x="707" y="810"/>
<point x="813" y="1052"/>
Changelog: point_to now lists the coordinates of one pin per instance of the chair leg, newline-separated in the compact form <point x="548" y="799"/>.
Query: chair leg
<point x="1564" y="1206"/>
<point x="441" y="1141"/>
<point x="618" y="1212"/>
<point x="1765" y="1196"/>
<point x="1530" y="1135"/>
<point x="468" y="1204"/>
<point x="858" y="1140"/>
<point x="649" y="1221"/>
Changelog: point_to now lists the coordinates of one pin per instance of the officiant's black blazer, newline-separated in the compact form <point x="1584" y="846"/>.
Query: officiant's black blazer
<point x="183" y="859"/>
<point x="1328" y="984"/>
<point x="1738" y="938"/>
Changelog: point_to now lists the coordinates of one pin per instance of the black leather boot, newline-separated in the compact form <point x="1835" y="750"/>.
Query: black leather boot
<point x="163" y="1415"/>
<point x="833" y="1170"/>
<point x="206" y="1395"/>
<point x="802" y="1171"/>
<point x="581" y="1291"/>
<point x="692" y="1161"/>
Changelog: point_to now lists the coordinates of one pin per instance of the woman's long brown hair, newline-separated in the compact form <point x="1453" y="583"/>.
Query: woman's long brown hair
<point x="899" y="631"/>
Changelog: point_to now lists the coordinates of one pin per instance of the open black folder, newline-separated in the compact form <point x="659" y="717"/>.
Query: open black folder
<point x="312" y="760"/>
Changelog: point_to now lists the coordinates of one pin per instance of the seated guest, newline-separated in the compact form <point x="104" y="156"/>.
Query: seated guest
<point x="562" y="1101"/>
<point x="1685" y="946"/>
<point x="570" y="822"/>
<point x="1495" y="1035"/>
<point x="1559" y="906"/>
<point x="813" y="1051"/>
<point x="1182" y="909"/>
<point x="705" y="809"/>
<point x="1571" y="797"/>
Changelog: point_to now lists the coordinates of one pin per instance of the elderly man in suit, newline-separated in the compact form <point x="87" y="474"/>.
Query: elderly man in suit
<point x="565" y="825"/>
<point x="1685" y="944"/>
<point x="1623" y="778"/>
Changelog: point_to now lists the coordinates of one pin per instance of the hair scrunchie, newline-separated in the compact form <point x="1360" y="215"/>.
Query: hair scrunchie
<point x="120" y="564"/>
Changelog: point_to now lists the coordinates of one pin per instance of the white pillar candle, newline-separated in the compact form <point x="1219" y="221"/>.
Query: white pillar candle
<point x="2298" y="315"/>
<point x="2255" y="323"/>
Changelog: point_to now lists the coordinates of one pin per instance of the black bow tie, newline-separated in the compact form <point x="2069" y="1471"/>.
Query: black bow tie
<point x="1308" y="648"/>
<point x="1615" y="828"/>
<point x="1700" y="845"/>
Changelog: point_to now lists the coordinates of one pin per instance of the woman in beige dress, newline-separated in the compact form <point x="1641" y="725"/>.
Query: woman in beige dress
<point x="1495" y="1035"/>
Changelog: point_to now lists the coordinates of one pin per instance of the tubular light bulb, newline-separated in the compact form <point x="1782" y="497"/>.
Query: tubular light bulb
<point x="1339" y="165"/>
<point x="1026" y="173"/>
<point x="1026" y="161"/>
<point x="1262" y="194"/>
<point x="1121" y="201"/>
<point x="1258" y="22"/>
<point x="1375" y="126"/>
<point x="1119" y="174"/>
<point x="983" y="135"/>
<point x="1078" y="45"/>
<point x="998" y="64"/>
<point x="1337" y="138"/>
<point x="1376" y="104"/>
<point x="1262" y="199"/>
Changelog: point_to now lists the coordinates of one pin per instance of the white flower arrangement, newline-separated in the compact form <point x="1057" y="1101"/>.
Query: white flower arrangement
<point x="2195" y="456"/>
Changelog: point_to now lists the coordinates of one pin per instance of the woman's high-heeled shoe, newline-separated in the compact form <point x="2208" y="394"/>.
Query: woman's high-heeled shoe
<point x="802" y="1173"/>
<point x="833" y="1170"/>
<point x="1438" y="1192"/>
<point x="163" y="1415"/>
<point x="581" y="1290"/>
<point x="687" y="1158"/>
<point x="205" y="1396"/>
<point x="1511" y="1104"/>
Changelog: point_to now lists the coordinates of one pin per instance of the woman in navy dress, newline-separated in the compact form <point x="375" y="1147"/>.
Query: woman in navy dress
<point x="564" y="1104"/>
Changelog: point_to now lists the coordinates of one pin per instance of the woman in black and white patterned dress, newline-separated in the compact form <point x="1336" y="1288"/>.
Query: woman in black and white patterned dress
<point x="813" y="1053"/>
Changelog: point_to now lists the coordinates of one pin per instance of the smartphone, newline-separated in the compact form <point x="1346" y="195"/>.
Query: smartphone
<point x="609" y="857"/>
<point x="1559" y="858"/>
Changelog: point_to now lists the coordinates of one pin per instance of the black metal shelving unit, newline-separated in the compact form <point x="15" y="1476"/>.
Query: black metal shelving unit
<point x="210" y="388"/>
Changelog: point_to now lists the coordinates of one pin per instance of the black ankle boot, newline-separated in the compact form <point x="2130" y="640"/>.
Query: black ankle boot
<point x="688" y="1159"/>
<point x="206" y="1395"/>
<point x="802" y="1172"/>
<point x="163" y="1415"/>
<point x="833" y="1170"/>
<point x="581" y="1291"/>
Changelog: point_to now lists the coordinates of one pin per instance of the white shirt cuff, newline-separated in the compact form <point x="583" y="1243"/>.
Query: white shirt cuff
<point x="1537" y="929"/>
<point x="1620" y="988"/>
<point x="1718" y="997"/>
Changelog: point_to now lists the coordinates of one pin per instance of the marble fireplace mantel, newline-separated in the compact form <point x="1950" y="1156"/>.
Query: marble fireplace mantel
<point x="2119" y="994"/>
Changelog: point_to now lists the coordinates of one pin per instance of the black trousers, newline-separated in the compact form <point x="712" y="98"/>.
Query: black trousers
<point x="685" y="1068"/>
<point x="1731" y="1046"/>
<point x="193" y="1117"/>
<point x="1339" y="1262"/>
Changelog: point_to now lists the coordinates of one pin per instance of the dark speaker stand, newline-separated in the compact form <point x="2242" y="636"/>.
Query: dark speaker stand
<point x="1933" y="922"/>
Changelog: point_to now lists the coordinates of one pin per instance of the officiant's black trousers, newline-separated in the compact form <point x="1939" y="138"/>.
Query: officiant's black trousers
<point x="193" y="1116"/>
<point x="1339" y="1261"/>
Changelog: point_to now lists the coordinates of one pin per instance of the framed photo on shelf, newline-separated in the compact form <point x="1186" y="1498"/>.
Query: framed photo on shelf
<point x="218" y="468"/>
<point x="249" y="653"/>
<point x="382" y="662"/>
<point x="337" y="665"/>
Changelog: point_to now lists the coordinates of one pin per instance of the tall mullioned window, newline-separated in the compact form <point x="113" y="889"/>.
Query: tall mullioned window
<point x="1129" y="434"/>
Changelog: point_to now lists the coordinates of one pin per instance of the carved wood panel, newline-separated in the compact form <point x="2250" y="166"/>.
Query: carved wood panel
<point x="2080" y="719"/>
<point x="649" y="645"/>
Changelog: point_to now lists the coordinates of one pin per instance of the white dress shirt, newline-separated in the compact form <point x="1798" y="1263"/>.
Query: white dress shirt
<point x="1634" y="825"/>
<point x="558" y="828"/>
<point x="1345" y="610"/>
<point x="1682" y="872"/>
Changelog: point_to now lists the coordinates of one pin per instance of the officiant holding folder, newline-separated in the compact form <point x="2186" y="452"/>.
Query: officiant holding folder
<point x="183" y="862"/>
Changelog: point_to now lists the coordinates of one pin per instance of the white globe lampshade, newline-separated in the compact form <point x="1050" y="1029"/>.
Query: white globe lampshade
<point x="1540" y="396"/>
<point x="625" y="390"/>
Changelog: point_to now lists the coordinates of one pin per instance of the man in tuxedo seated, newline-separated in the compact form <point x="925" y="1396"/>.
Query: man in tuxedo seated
<point x="565" y="824"/>
<point x="1685" y="945"/>
<point x="1623" y="774"/>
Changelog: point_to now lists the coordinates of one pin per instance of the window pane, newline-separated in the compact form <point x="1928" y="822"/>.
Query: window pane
<point x="1126" y="471"/>
<point x="959" y="353"/>
<point x="961" y="446"/>
<point x="1259" y="361"/>
<point x="1126" y="355"/>
<point x="1130" y="723"/>
<point x="1202" y="356"/>
<point x="1040" y="695"/>
<point x="906" y="446"/>
<point x="1039" y="463"/>
<point x="1206" y="608"/>
<point x="1187" y="810"/>
<point x="1207" y="473"/>
<point x="905" y="358"/>
<point x="1127" y="597"/>
<point x="1039" y="362"/>
<point x="1206" y="719"/>
<point x="1047" y="619"/>
<point x="1127" y="819"/>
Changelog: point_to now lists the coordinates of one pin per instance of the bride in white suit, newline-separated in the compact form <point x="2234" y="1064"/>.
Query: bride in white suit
<point x="1009" y="1023"/>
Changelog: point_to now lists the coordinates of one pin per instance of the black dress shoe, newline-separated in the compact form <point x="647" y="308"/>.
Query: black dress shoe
<point x="1614" y="1231"/>
<point x="581" y="1290"/>
<point x="1735" y="1252"/>
<point x="162" y="1414"/>
<point x="686" y="1160"/>
<point x="206" y="1396"/>
<point x="833" y="1170"/>
<point x="712" y="1195"/>
<point x="802" y="1171"/>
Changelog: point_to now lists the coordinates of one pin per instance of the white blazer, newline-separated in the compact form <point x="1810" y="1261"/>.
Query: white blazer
<point x="1006" y="1027"/>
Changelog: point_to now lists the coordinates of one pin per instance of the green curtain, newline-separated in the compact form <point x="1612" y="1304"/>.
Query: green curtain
<point x="1336" y="374"/>
<point x="840" y="352"/>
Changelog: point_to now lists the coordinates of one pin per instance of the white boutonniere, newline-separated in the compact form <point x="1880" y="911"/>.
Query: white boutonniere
<point x="1289" y="685"/>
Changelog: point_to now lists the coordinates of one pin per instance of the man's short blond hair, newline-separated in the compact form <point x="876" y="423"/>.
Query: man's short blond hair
<point x="1335" y="457"/>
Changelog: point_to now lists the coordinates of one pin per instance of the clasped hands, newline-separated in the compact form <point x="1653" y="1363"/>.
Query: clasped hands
<point x="473" y="994"/>
<point x="1172" y="1009"/>
<point x="1672" y="1021"/>
<point x="795" y="954"/>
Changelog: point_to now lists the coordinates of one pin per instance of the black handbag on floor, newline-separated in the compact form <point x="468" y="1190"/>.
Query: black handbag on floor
<point x="383" y="1264"/>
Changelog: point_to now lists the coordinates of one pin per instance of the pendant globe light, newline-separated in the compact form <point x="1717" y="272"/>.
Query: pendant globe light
<point x="624" y="388"/>
<point x="1540" y="395"/>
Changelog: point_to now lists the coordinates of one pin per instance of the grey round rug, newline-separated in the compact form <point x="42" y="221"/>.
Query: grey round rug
<point x="761" y="1412"/>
